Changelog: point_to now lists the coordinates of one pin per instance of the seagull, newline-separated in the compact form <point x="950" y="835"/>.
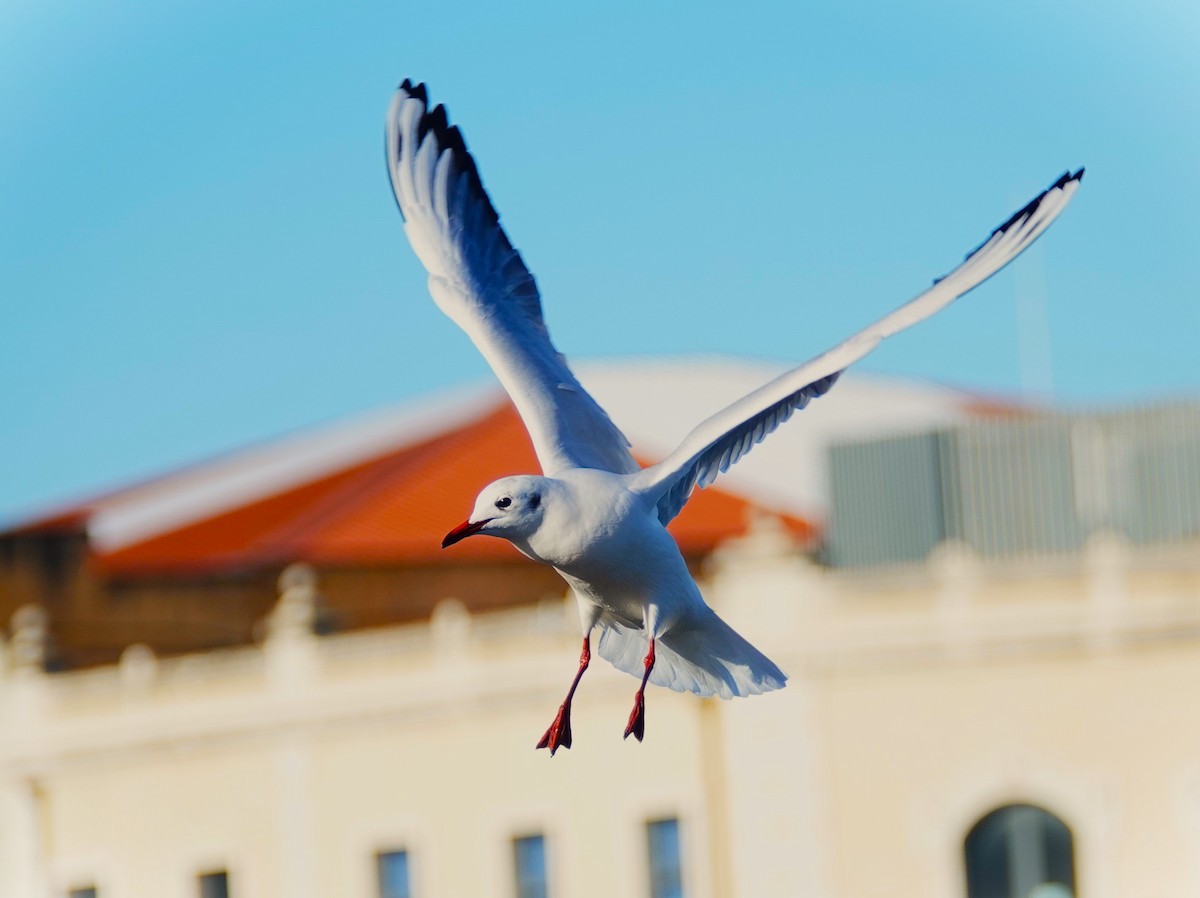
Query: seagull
<point x="594" y="514"/>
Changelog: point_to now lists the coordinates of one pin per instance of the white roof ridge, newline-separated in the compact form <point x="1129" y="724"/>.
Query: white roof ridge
<point x="273" y="466"/>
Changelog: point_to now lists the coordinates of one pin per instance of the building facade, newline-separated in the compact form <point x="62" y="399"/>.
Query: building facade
<point x="920" y="702"/>
<point x="257" y="679"/>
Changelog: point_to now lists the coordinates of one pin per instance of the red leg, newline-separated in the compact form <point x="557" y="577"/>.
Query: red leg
<point x="637" y="717"/>
<point x="559" y="734"/>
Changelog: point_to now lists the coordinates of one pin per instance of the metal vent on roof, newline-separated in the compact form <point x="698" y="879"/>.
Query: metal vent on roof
<point x="887" y="501"/>
<point x="1033" y="486"/>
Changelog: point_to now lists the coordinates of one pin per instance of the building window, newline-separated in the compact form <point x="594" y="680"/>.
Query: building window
<point x="214" y="884"/>
<point x="662" y="841"/>
<point x="529" y="861"/>
<point x="392" y="870"/>
<point x="1020" y="851"/>
<point x="83" y="892"/>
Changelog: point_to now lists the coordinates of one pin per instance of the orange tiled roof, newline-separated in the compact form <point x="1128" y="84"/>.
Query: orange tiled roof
<point x="393" y="509"/>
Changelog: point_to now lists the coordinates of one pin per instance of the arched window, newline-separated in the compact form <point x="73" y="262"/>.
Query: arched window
<point x="1020" y="851"/>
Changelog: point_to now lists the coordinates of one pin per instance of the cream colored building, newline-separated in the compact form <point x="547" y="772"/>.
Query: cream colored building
<point x="919" y="701"/>
<point x="924" y="696"/>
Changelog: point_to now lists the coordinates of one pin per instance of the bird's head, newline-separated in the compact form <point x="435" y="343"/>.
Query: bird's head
<point x="510" y="507"/>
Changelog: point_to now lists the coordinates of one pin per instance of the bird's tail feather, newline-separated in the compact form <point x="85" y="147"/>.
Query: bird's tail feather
<point x="703" y="655"/>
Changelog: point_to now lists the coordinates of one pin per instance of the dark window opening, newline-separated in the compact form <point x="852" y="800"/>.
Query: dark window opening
<point x="1020" y="851"/>
<point x="392" y="871"/>
<point x="666" y="874"/>
<point x="214" y="884"/>
<point x="529" y="860"/>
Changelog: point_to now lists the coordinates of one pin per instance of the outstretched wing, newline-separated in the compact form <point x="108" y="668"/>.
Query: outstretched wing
<point x="479" y="280"/>
<point x="728" y="435"/>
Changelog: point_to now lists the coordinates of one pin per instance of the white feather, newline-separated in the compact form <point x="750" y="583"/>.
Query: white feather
<point x="703" y="655"/>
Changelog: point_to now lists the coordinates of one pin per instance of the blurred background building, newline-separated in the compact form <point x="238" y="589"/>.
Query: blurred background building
<point x="260" y="676"/>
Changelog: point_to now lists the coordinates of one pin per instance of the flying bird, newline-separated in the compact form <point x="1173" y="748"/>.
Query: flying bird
<point x="594" y="514"/>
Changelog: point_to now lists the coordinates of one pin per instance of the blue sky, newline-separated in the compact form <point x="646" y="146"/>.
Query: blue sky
<point x="198" y="248"/>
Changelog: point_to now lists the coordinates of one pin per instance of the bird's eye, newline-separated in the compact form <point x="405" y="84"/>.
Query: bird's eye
<point x="503" y="503"/>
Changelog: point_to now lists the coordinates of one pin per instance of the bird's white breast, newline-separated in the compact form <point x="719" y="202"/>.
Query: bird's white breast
<point x="608" y="544"/>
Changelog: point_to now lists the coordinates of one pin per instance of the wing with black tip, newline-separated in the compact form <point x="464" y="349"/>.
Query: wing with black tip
<point x="728" y="435"/>
<point x="480" y="281"/>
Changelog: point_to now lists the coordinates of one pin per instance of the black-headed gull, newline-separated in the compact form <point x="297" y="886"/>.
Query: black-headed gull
<point x="595" y="515"/>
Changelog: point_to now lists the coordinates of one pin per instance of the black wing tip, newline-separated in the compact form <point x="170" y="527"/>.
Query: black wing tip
<point x="415" y="90"/>
<point x="1067" y="178"/>
<point x="437" y="120"/>
<point x="1029" y="208"/>
<point x="450" y="137"/>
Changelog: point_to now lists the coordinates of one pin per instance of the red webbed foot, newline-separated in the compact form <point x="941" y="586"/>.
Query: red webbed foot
<point x="637" y="718"/>
<point x="559" y="734"/>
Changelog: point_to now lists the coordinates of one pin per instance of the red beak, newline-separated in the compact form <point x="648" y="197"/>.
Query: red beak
<point x="462" y="531"/>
